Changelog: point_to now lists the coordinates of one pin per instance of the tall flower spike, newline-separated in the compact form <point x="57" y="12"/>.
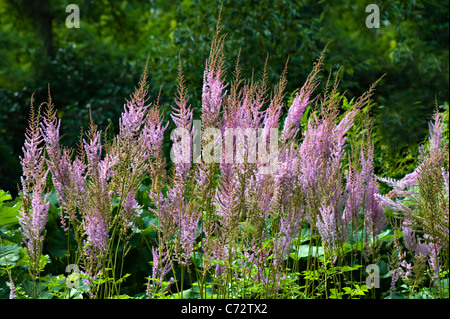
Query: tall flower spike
<point x="354" y="193"/>
<point x="32" y="161"/>
<point x="188" y="227"/>
<point x="12" y="289"/>
<point x="374" y="213"/>
<point x="32" y="221"/>
<point x="295" y="113"/>
<point x="301" y="101"/>
<point x="96" y="228"/>
<point x="34" y="209"/>
<point x="326" y="224"/>
<point x="213" y="81"/>
<point x="227" y="199"/>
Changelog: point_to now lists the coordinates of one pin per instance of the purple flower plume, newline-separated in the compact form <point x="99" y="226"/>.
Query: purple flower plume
<point x="34" y="209"/>
<point x="96" y="228"/>
<point x="295" y="113"/>
<point x="212" y="96"/>
<point x="326" y="225"/>
<point x="32" y="221"/>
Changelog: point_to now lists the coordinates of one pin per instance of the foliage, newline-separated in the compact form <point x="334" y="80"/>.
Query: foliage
<point x="88" y="219"/>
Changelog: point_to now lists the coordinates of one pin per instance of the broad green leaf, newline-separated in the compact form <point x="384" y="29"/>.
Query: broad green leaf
<point x="9" y="213"/>
<point x="9" y="254"/>
<point x="4" y="196"/>
<point x="386" y="234"/>
<point x="304" y="251"/>
<point x="57" y="244"/>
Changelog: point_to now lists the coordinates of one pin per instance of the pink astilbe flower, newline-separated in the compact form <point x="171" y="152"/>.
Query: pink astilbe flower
<point x="311" y="158"/>
<point x="93" y="149"/>
<point x="212" y="96"/>
<point x="96" y="228"/>
<point x="435" y="139"/>
<point x="295" y="113"/>
<point x="34" y="209"/>
<point x="78" y="169"/>
<point x="32" y="161"/>
<point x="354" y="193"/>
<point x="409" y="238"/>
<point x="12" y="289"/>
<point x="434" y="259"/>
<point x="373" y="211"/>
<point x="326" y="225"/>
<point x="135" y="112"/>
<point x="154" y="131"/>
<point x="161" y="267"/>
<point x="188" y="228"/>
<point x="227" y="199"/>
<point x="131" y="210"/>
<point x="32" y="222"/>
<point x="285" y="180"/>
<point x="289" y="226"/>
<point x="182" y="116"/>
<point x="133" y="118"/>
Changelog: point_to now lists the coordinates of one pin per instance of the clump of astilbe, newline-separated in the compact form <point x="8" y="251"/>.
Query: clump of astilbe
<point x="100" y="174"/>
<point x="362" y="208"/>
<point x="420" y="201"/>
<point x="423" y="258"/>
<point x="421" y="197"/>
<point x="213" y="95"/>
<point x="320" y="172"/>
<point x="68" y="177"/>
<point x="34" y="204"/>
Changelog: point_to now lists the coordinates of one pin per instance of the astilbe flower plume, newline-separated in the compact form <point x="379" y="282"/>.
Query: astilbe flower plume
<point x="97" y="207"/>
<point x="426" y="187"/>
<point x="12" y="289"/>
<point x="34" y="209"/>
<point x="188" y="229"/>
<point x="326" y="225"/>
<point x="301" y="101"/>
<point x="373" y="211"/>
<point x="32" y="221"/>
<point x="213" y="91"/>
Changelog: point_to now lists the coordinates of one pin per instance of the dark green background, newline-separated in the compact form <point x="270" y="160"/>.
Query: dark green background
<point x="100" y="63"/>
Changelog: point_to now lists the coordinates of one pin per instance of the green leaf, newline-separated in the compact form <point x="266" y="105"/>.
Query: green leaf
<point x="4" y="196"/>
<point x="57" y="244"/>
<point x="11" y="253"/>
<point x="304" y="251"/>
<point x="9" y="212"/>
<point x="385" y="235"/>
<point x="347" y="290"/>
